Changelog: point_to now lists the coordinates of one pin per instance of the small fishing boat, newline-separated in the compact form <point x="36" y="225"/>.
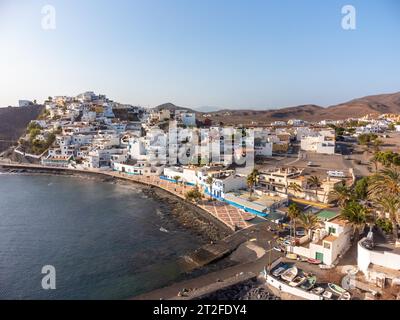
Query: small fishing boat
<point x="318" y="290"/>
<point x="345" y="296"/>
<point x="336" y="289"/>
<point x="325" y="267"/>
<point x="309" y="283"/>
<point x="297" y="281"/>
<point x="290" y="274"/>
<point x="327" y="295"/>
<point x="279" y="271"/>
<point x="291" y="256"/>
<point x="314" y="261"/>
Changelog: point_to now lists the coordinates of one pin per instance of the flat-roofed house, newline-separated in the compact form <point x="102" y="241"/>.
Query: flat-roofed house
<point x="329" y="241"/>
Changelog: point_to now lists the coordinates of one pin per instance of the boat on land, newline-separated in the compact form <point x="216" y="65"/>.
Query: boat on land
<point x="336" y="289"/>
<point x="309" y="283"/>
<point x="345" y="296"/>
<point x="290" y="274"/>
<point x="291" y="256"/>
<point x="325" y="267"/>
<point x="314" y="261"/>
<point x="327" y="295"/>
<point x="318" y="290"/>
<point x="277" y="272"/>
<point x="297" y="281"/>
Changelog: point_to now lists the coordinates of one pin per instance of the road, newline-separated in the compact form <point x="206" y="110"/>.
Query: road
<point x="254" y="267"/>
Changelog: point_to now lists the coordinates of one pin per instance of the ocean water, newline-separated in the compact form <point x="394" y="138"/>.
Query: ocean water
<point x="105" y="241"/>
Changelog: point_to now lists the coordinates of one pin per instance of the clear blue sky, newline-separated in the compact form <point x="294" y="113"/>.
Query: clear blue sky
<point x="225" y="53"/>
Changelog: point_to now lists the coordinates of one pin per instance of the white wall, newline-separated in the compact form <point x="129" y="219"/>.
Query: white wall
<point x="263" y="149"/>
<point x="282" y="286"/>
<point x="384" y="259"/>
<point x="170" y="173"/>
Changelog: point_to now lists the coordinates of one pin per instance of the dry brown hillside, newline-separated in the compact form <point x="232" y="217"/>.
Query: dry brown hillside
<point x="13" y="122"/>
<point x="378" y="104"/>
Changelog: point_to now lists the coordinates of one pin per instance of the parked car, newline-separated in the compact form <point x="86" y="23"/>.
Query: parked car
<point x="300" y="233"/>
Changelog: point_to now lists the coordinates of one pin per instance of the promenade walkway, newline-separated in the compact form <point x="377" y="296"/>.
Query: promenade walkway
<point x="229" y="215"/>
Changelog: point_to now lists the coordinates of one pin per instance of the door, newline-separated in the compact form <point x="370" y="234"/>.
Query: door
<point x="319" y="256"/>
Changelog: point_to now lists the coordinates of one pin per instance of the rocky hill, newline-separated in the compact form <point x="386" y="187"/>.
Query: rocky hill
<point x="377" y="104"/>
<point x="172" y="107"/>
<point x="13" y="122"/>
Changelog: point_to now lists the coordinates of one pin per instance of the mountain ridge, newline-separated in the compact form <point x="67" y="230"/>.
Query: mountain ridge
<point x="355" y="108"/>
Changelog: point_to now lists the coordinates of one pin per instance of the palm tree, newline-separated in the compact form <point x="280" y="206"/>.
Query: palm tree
<point x="386" y="182"/>
<point x="390" y="205"/>
<point x="194" y="195"/>
<point x="375" y="162"/>
<point x="294" y="213"/>
<point x="176" y="178"/>
<point x="308" y="221"/>
<point x="341" y="194"/>
<point x="295" y="187"/>
<point x="252" y="180"/>
<point x="377" y="143"/>
<point x="357" y="215"/>
<point x="314" y="182"/>
<point x="210" y="181"/>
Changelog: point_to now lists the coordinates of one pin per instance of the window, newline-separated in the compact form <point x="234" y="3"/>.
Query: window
<point x="332" y="230"/>
<point x="327" y="245"/>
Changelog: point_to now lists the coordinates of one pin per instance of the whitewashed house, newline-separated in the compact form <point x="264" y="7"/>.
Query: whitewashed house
<point x="318" y="143"/>
<point x="328" y="242"/>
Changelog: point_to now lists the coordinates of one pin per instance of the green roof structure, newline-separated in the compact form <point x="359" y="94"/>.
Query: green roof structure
<point x="326" y="215"/>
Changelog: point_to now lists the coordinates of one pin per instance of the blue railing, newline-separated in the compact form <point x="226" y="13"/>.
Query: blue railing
<point x="174" y="181"/>
<point x="234" y="204"/>
<point x="206" y="191"/>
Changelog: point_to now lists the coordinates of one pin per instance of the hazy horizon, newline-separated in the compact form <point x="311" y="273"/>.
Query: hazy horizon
<point x="225" y="54"/>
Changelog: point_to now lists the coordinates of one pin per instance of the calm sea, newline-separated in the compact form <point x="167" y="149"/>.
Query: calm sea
<point x="104" y="240"/>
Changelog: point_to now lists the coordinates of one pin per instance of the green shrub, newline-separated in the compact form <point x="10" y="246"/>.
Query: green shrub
<point x="385" y="224"/>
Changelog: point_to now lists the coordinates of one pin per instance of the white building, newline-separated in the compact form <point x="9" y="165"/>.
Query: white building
<point x="89" y="116"/>
<point x="151" y="148"/>
<point x="318" y="143"/>
<point x="263" y="148"/>
<point x="279" y="123"/>
<point x="327" y="242"/>
<point x="188" y="119"/>
<point x="380" y="264"/>
<point x="172" y="172"/>
<point x="224" y="181"/>
<point x="296" y="122"/>
<point x="138" y="169"/>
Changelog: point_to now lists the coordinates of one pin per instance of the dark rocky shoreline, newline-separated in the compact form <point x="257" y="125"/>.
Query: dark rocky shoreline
<point x="248" y="290"/>
<point x="187" y="215"/>
<point x="190" y="216"/>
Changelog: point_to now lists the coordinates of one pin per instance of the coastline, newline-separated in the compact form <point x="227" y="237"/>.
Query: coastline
<point x="198" y="267"/>
<point x="186" y="214"/>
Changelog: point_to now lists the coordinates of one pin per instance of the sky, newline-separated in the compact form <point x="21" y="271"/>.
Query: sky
<point x="224" y="53"/>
